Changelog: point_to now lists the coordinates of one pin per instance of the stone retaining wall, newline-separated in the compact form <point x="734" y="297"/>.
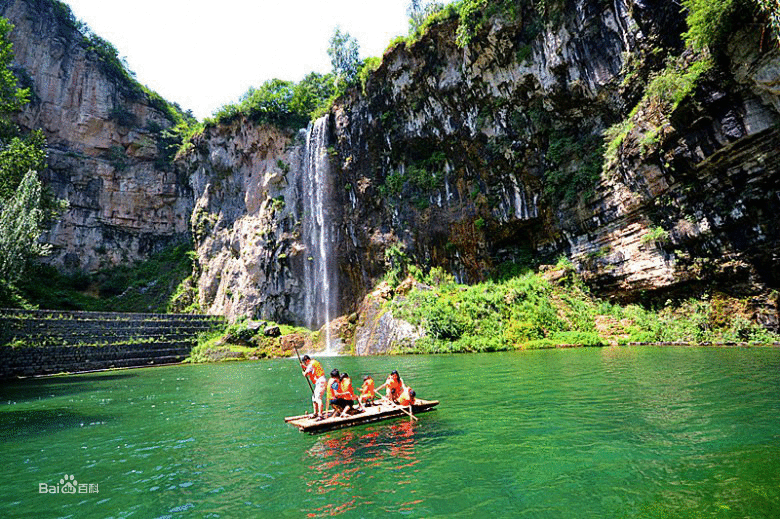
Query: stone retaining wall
<point x="44" y="342"/>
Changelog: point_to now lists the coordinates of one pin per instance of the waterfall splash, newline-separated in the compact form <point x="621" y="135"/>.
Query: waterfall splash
<point x="320" y="283"/>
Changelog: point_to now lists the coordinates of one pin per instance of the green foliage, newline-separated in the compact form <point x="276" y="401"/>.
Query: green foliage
<point x="232" y="342"/>
<point x="175" y="139"/>
<point x="526" y="311"/>
<point x="424" y="14"/>
<point x="524" y="52"/>
<point x="771" y="10"/>
<point x="147" y="286"/>
<point x="420" y="178"/>
<point x="23" y="206"/>
<point x="474" y="14"/>
<point x="19" y="155"/>
<point x="439" y="277"/>
<point x="344" y="53"/>
<point x="370" y="64"/>
<point x="117" y="157"/>
<point x="564" y="263"/>
<point x="283" y="166"/>
<point x="575" y="163"/>
<point x="21" y="218"/>
<point x="185" y="297"/>
<point x="663" y="94"/>
<point x="396" y="264"/>
<point x="122" y="116"/>
<point x="111" y="64"/>
<point x="12" y="98"/>
<point x="709" y="21"/>
<point x="394" y="183"/>
<point x="656" y="234"/>
<point x="677" y="81"/>
<point x="278" y="203"/>
<point x="283" y="103"/>
<point x="614" y="137"/>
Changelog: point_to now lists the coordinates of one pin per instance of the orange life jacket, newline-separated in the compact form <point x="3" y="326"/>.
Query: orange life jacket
<point x="316" y="371"/>
<point x="331" y="383"/>
<point x="393" y="387"/>
<point x="367" y="389"/>
<point x="346" y="388"/>
<point x="405" y="399"/>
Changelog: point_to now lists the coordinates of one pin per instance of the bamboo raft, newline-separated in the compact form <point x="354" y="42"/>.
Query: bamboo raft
<point x="376" y="413"/>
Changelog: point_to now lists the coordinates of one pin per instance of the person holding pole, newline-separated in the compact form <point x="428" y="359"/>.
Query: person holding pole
<point x="395" y="385"/>
<point x="313" y="371"/>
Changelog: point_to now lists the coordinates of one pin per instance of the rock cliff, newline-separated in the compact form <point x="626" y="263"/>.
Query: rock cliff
<point x="469" y="157"/>
<point x="465" y="157"/>
<point x="246" y="221"/>
<point x="103" y="144"/>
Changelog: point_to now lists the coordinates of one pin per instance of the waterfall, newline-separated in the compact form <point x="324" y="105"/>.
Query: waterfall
<point x="319" y="281"/>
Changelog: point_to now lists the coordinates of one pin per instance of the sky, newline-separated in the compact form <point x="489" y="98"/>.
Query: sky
<point x="204" y="54"/>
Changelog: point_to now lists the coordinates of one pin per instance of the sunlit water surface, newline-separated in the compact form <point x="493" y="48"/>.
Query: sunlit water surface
<point x="624" y="432"/>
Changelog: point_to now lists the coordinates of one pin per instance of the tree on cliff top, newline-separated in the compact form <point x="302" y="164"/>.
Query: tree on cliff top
<point x="284" y="103"/>
<point x="344" y="52"/>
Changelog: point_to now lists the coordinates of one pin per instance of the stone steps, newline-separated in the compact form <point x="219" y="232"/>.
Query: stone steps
<point x="43" y="342"/>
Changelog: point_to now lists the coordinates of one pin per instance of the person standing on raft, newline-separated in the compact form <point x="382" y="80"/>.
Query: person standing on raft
<point x="312" y="370"/>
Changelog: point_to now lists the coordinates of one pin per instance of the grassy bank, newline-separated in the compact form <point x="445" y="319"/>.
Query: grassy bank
<point x="241" y="341"/>
<point x="551" y="308"/>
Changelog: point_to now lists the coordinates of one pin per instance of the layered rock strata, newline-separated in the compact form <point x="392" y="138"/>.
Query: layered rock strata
<point x="103" y="145"/>
<point x="506" y="126"/>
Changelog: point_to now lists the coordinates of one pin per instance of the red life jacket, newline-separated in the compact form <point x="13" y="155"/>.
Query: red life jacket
<point x="331" y="390"/>
<point x="346" y="387"/>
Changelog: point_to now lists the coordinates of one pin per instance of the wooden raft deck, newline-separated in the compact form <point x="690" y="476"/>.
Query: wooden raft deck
<point x="375" y="413"/>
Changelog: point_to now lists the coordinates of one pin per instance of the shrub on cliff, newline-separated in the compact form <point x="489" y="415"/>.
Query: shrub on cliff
<point x="283" y="103"/>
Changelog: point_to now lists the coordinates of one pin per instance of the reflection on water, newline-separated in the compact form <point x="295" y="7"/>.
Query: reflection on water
<point x="337" y="460"/>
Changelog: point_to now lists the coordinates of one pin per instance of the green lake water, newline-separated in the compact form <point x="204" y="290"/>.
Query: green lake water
<point x="587" y="433"/>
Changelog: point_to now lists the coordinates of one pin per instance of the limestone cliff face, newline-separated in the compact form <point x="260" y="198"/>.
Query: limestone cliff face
<point x="470" y="157"/>
<point x="247" y="221"/>
<point x="462" y="157"/>
<point x="505" y="127"/>
<point x="125" y="202"/>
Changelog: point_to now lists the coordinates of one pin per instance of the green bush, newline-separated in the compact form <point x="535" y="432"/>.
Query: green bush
<point x="147" y="286"/>
<point x="708" y="21"/>
<point x="528" y="312"/>
<point x="577" y="338"/>
<point x="283" y="103"/>
<point x="443" y="321"/>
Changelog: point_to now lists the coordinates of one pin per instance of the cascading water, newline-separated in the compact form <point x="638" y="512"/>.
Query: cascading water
<point x="319" y="279"/>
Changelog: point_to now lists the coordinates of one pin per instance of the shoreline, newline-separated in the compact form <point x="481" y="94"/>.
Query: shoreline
<point x="744" y="345"/>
